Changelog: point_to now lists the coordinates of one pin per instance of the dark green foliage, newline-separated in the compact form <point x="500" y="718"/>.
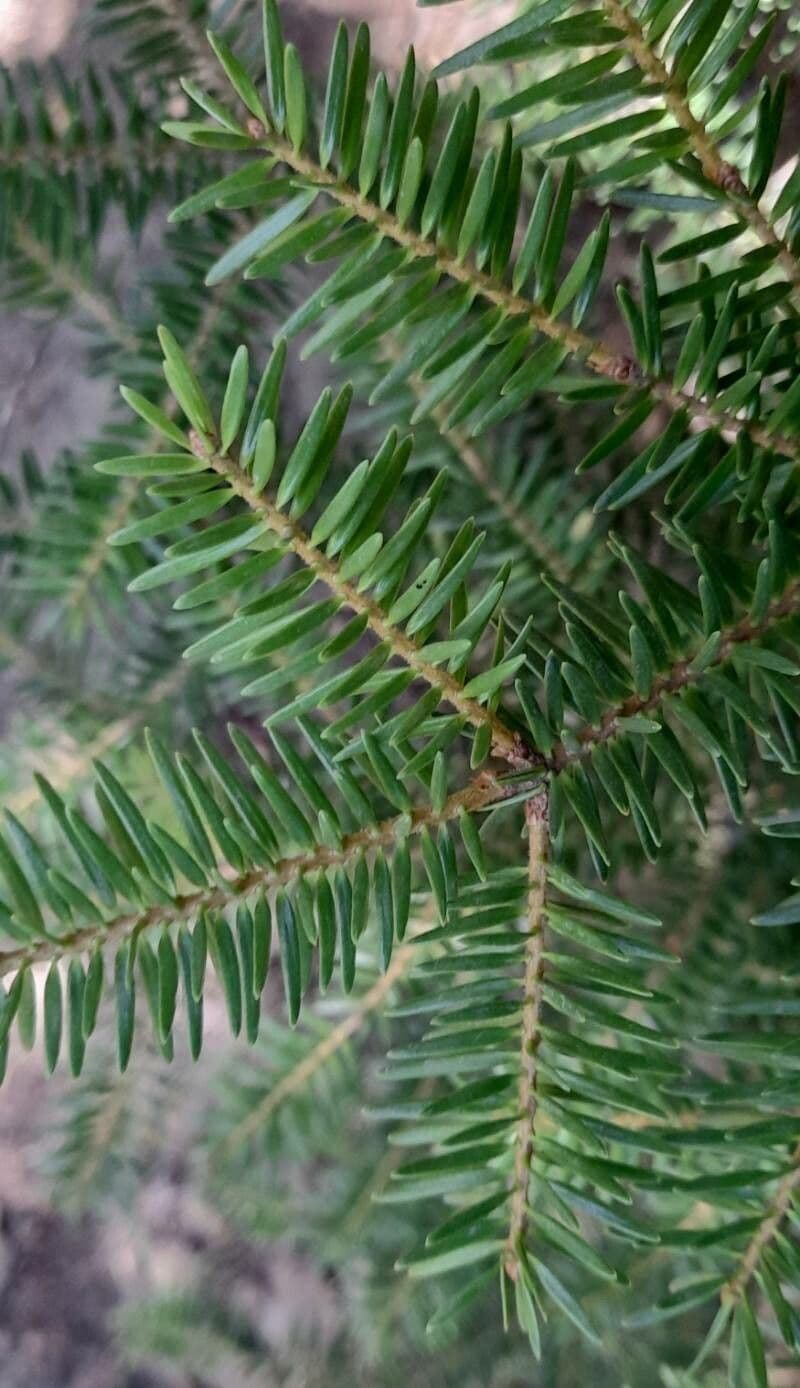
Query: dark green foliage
<point x="473" y="733"/>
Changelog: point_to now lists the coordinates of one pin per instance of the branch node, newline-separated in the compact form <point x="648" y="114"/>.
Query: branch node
<point x="730" y="180"/>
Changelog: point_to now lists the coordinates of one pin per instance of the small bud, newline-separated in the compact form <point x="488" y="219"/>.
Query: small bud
<point x="201" y="446"/>
<point x="625" y="369"/>
<point x="729" y="179"/>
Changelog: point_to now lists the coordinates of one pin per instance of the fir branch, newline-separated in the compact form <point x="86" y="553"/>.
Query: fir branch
<point x="681" y="675"/>
<point x="25" y="659"/>
<point x="541" y="554"/>
<point x="103" y="1125"/>
<point x="767" y="1230"/>
<point x="14" y="402"/>
<point x="596" y="354"/>
<point x="320" y="1055"/>
<point x="522" y="525"/>
<point x="120" y="154"/>
<point x="718" y="170"/>
<point x="67" y="769"/>
<point x="536" y="811"/>
<point x="545" y="1071"/>
<point x="505" y="743"/>
<point x="96" y="555"/>
<point x="67" y="281"/>
<point x="480" y="792"/>
<point x="191" y="35"/>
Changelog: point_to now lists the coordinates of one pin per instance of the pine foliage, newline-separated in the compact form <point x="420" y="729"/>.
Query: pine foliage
<point x="474" y="733"/>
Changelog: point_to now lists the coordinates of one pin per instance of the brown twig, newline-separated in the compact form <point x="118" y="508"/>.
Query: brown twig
<point x="766" y="1231"/>
<point x="505" y="743"/>
<point x="527" y="1101"/>
<point x="681" y="675"/>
